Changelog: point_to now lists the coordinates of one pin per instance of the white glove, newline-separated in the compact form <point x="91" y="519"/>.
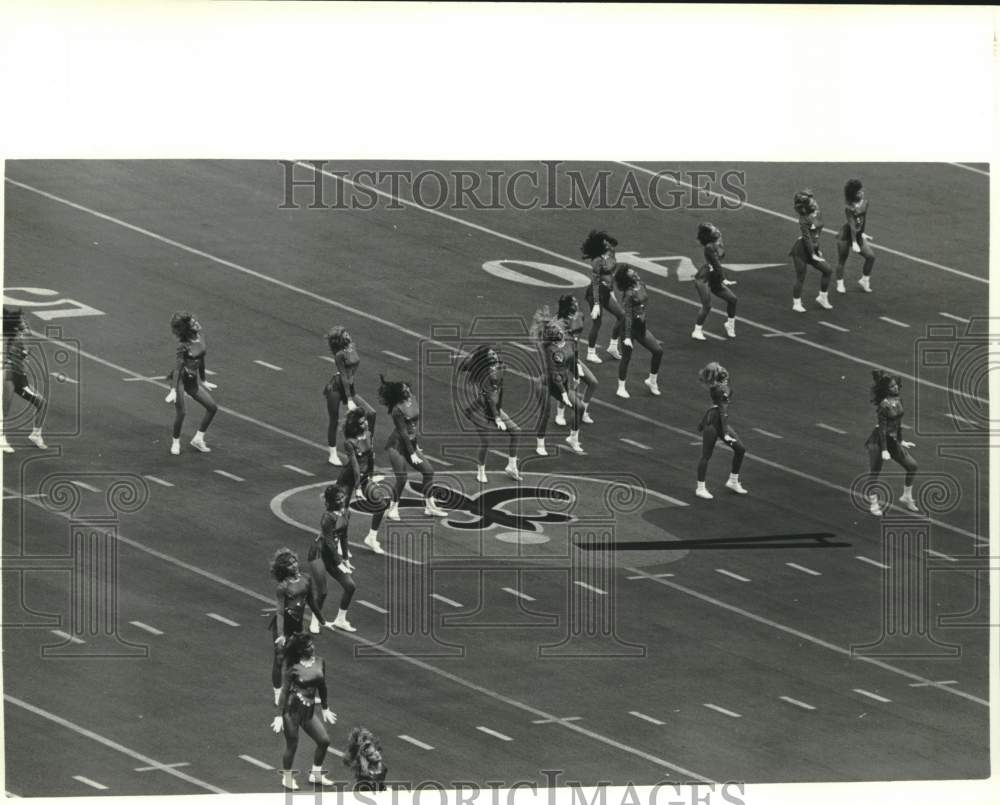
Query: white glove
<point x="579" y="370"/>
<point x="885" y="455"/>
<point x="351" y="405"/>
<point x="501" y="425"/>
<point x="627" y="343"/>
<point x="277" y="724"/>
<point x="595" y="312"/>
<point x="280" y="641"/>
<point x="415" y="458"/>
<point x="855" y="247"/>
<point x="565" y="399"/>
<point x="729" y="282"/>
<point x="359" y="493"/>
<point x="329" y="717"/>
<point x="210" y="386"/>
<point x="908" y="444"/>
<point x="344" y="568"/>
<point x="728" y="439"/>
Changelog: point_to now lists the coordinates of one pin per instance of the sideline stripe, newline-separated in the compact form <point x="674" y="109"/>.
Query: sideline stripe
<point x="953" y="317"/>
<point x="767" y="433"/>
<point x="963" y="166"/>
<point x="38" y="711"/>
<point x="731" y="575"/>
<point x="722" y="710"/>
<point x="804" y="569"/>
<point x="221" y="619"/>
<point x="495" y="734"/>
<point x="766" y="211"/>
<point x="146" y="627"/>
<point x="796" y="702"/>
<point x="893" y="321"/>
<point x="414" y="741"/>
<point x="831" y="428"/>
<point x="370" y="605"/>
<point x="836" y="327"/>
<point x="91" y="783"/>
<point x="156" y="480"/>
<point x="846" y="652"/>
<point x="399" y="328"/>
<point x="258" y="763"/>
<point x="644" y="717"/>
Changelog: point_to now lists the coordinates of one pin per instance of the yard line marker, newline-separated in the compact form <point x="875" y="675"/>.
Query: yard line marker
<point x="260" y="764"/>
<point x="327" y="358"/>
<point x="64" y="378"/>
<point x="836" y="327"/>
<point x="336" y="752"/>
<point x="221" y="619"/>
<point x="447" y="601"/>
<point x="954" y="317"/>
<point x="644" y="717"/>
<point x="517" y="593"/>
<point x="893" y="321"/>
<point x="156" y="480"/>
<point x="731" y="575"/>
<point x="907" y="427"/>
<point x="145" y="627"/>
<point x="780" y="335"/>
<point x="767" y="433"/>
<point x="270" y="366"/>
<point x="25" y="497"/>
<point x="396" y="355"/>
<point x="414" y="741"/>
<point x="872" y="562"/>
<point x="82" y="485"/>
<point x="67" y="636"/>
<point x="62" y="722"/>
<point x="958" y="418"/>
<point x="495" y="734"/>
<point x="640" y="445"/>
<point x="804" y="569"/>
<point x="661" y="176"/>
<point x="710" y="334"/>
<point x="929" y="684"/>
<point x="556" y="720"/>
<point x="229" y="475"/>
<point x="830" y="428"/>
<point x="969" y="168"/>
<point x="91" y="783"/>
<point x="651" y="576"/>
<point x="941" y="555"/>
<point x="871" y="695"/>
<point x="375" y="607"/>
<point x="796" y="702"/>
<point x="164" y="766"/>
<point x="299" y="470"/>
<point x="722" y="710"/>
<point x="498" y="453"/>
<point x="585" y="586"/>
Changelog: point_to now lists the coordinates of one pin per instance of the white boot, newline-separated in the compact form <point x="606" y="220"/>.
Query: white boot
<point x="540" y="447"/>
<point x="734" y="484"/>
<point x="512" y="470"/>
<point x="573" y="440"/>
<point x="393" y="513"/>
<point x="198" y="443"/>
<point x="702" y="491"/>
<point x="698" y="334"/>
<point x="907" y="499"/>
<point x="561" y="415"/>
<point x="372" y="541"/>
<point x="823" y="301"/>
<point x="334" y="458"/>
<point x="586" y="418"/>
<point x="797" y="305"/>
<point x="431" y="509"/>
<point x="288" y="781"/>
<point x="840" y="287"/>
<point x="614" y="350"/>
<point x="730" y="327"/>
<point x="481" y="474"/>
<point x="4" y="445"/>
<point x="175" y="447"/>
<point x="341" y="621"/>
<point x="651" y="384"/>
<point x="866" y="284"/>
<point x="873" y="506"/>
<point x="35" y="437"/>
<point x="317" y="777"/>
<point x="592" y="356"/>
<point x="622" y="391"/>
<point x="313" y="624"/>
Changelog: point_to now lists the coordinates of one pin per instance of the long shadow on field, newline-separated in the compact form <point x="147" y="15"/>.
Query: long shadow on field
<point x="817" y="540"/>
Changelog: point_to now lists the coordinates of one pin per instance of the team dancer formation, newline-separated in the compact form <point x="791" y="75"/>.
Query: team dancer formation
<point x="566" y="382"/>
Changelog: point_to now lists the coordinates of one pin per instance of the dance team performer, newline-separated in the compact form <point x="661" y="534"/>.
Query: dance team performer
<point x="294" y="591"/>
<point x="805" y="252"/>
<point x="852" y="236"/>
<point x="711" y="279"/>
<point x="485" y="371"/>
<point x="188" y="377"/>
<point x="634" y="328"/>
<point x="570" y="317"/>
<point x="886" y="439"/>
<point x="358" y="477"/>
<point x="599" y="250"/>
<point x="340" y="388"/>
<point x="15" y="376"/>
<point x="329" y="554"/>
<point x="714" y="425"/>
<point x="558" y="378"/>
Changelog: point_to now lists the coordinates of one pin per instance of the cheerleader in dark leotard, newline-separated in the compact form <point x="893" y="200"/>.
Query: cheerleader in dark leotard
<point x="886" y="440"/>
<point x="852" y="236"/>
<point x="711" y="279"/>
<point x="805" y="251"/>
<point x="329" y="554"/>
<point x="294" y="591"/>
<point x="187" y="376"/>
<point x="634" y="298"/>
<point x="570" y="317"/>
<point x="15" y="375"/>
<point x="358" y="476"/>
<point x="340" y="390"/>
<point x="364" y="758"/>
<point x="303" y="680"/>
<point x="403" y="446"/>
<point x="599" y="250"/>
<point x="202" y="371"/>
<point x="714" y="426"/>
<point x="485" y="373"/>
<point x="558" y="378"/>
